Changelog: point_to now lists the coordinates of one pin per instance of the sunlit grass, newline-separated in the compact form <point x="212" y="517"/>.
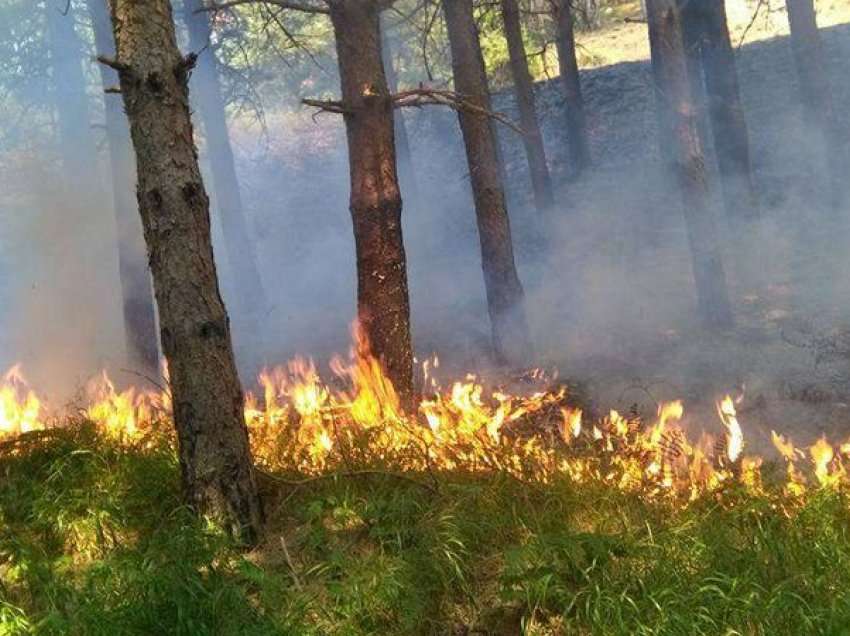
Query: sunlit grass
<point x="94" y="540"/>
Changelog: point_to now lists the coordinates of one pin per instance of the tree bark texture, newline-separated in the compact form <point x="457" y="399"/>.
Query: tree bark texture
<point x="541" y="182"/>
<point x="215" y="459"/>
<point x="505" y="296"/>
<point x="139" y="311"/>
<point x="238" y="242"/>
<point x="579" y="151"/>
<point x="383" y="306"/>
<point x="406" y="169"/>
<point x="676" y="102"/>
<point x="706" y="22"/>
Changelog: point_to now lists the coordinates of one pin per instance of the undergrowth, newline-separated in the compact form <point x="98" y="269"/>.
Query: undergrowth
<point x="94" y="539"/>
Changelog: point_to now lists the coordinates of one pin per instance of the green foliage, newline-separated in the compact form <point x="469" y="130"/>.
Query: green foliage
<point x="94" y="540"/>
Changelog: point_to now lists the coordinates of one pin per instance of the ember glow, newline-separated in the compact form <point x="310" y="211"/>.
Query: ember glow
<point x="300" y="423"/>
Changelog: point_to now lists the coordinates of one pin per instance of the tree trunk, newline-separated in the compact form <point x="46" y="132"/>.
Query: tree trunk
<point x="68" y="85"/>
<point x="819" y="112"/>
<point x="706" y="21"/>
<point x="138" y="304"/>
<point x="383" y="307"/>
<point x="674" y="93"/>
<point x="406" y="170"/>
<point x="541" y="182"/>
<point x="505" y="296"/>
<point x="215" y="457"/>
<point x="240" y="245"/>
<point x="576" y="122"/>
<point x="690" y="40"/>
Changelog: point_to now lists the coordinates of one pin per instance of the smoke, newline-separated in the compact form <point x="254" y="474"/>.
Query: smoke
<point x="610" y="296"/>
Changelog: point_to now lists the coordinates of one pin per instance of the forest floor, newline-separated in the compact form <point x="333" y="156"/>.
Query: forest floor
<point x="94" y="537"/>
<point x="622" y="37"/>
<point x="94" y="540"/>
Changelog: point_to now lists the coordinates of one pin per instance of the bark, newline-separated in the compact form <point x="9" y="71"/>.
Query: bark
<point x="68" y="85"/>
<point x="576" y="121"/>
<point x="819" y="111"/>
<point x="215" y="458"/>
<point x="707" y="24"/>
<point x="137" y="296"/>
<point x="674" y="94"/>
<point x="406" y="169"/>
<point x="532" y="139"/>
<point x="238" y="242"/>
<point x="383" y="306"/>
<point x="690" y="40"/>
<point x="505" y="296"/>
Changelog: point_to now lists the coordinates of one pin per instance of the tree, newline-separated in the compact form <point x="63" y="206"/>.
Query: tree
<point x="407" y="173"/>
<point x="382" y="296"/>
<point x="815" y="92"/>
<point x="707" y="33"/>
<point x="576" y="121"/>
<point x="367" y="106"/>
<point x="240" y="246"/>
<point x="675" y="101"/>
<point x="505" y="296"/>
<point x="215" y="459"/>
<point x="138" y="305"/>
<point x="532" y="139"/>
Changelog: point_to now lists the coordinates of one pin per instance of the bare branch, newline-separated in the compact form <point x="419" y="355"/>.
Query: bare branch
<point x="326" y="106"/>
<point x="295" y="5"/>
<point x="112" y="63"/>
<point x="423" y="96"/>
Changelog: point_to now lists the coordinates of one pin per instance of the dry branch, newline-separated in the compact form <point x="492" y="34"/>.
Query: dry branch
<point x="422" y="96"/>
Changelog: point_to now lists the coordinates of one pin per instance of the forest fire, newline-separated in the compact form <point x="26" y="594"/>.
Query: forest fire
<point x="300" y="423"/>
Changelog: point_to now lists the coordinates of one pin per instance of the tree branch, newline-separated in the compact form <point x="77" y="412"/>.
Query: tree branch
<point x="422" y="96"/>
<point x="326" y="106"/>
<point x="295" y="5"/>
<point x="113" y="63"/>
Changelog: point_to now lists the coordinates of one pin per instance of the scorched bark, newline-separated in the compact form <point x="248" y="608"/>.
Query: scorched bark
<point x="382" y="296"/>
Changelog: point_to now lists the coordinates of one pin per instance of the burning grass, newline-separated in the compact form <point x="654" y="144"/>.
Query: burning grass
<point x="493" y="508"/>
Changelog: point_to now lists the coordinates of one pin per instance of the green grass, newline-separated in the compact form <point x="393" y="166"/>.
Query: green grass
<point x="94" y="540"/>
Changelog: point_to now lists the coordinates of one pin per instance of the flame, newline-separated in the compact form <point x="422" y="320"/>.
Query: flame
<point x="734" y="435"/>
<point x="20" y="408"/>
<point x="298" y="421"/>
<point x="827" y="472"/>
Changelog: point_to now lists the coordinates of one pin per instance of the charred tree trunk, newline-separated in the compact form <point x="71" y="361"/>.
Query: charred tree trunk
<point x="541" y="182"/>
<point x="706" y="22"/>
<point x="570" y="78"/>
<point x="505" y="296"/>
<point x="138" y="304"/>
<point x="240" y="246"/>
<point x="406" y="170"/>
<point x="674" y="93"/>
<point x="690" y="40"/>
<point x="68" y="85"/>
<point x="819" y="111"/>
<point x="383" y="307"/>
<point x="215" y="458"/>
